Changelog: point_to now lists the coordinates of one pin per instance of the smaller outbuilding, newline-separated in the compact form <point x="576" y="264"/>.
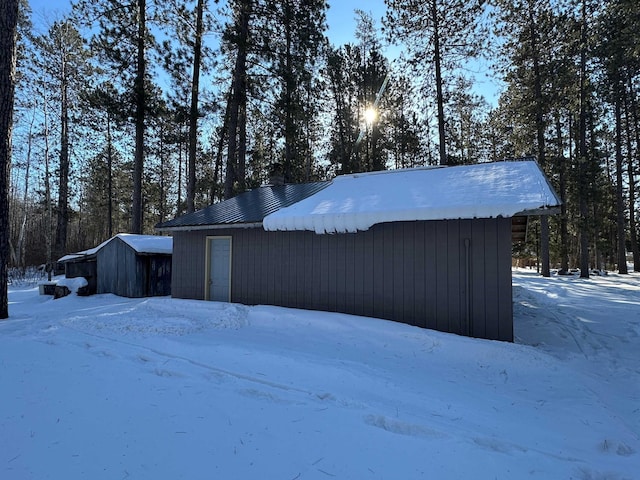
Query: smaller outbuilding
<point x="82" y="265"/>
<point x="126" y="265"/>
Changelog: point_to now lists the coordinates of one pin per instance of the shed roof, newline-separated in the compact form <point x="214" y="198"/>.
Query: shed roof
<point x="245" y="209"/>
<point x="356" y="202"/>
<point x="141" y="244"/>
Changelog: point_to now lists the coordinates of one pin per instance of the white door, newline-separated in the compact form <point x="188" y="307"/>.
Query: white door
<point x="219" y="281"/>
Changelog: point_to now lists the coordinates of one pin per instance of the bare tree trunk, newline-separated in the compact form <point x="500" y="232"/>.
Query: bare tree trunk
<point x="193" y="111"/>
<point x="564" y="234"/>
<point x="21" y="250"/>
<point x="179" y="195"/>
<point x="217" y="168"/>
<point x="63" y="174"/>
<point x="242" y="143"/>
<point x="439" y="94"/>
<point x="633" y="231"/>
<point x="622" y="258"/>
<point x="138" y="165"/>
<point x="109" y="178"/>
<point x="237" y="91"/>
<point x="540" y="128"/>
<point x="8" y="39"/>
<point x="583" y="160"/>
<point x="47" y="191"/>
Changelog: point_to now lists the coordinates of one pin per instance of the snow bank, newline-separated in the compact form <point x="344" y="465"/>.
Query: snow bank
<point x="356" y="202"/>
<point x="106" y="387"/>
<point x="73" y="284"/>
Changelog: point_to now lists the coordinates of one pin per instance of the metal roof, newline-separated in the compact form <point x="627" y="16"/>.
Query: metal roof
<point x="245" y="209"/>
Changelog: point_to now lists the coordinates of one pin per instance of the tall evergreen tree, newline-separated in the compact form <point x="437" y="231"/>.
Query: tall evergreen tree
<point x="238" y="37"/>
<point x="619" y="58"/>
<point x="367" y="104"/>
<point x="185" y="54"/>
<point x="121" y="40"/>
<point x="62" y="61"/>
<point x="291" y="38"/>
<point x="439" y="35"/>
<point x="524" y="24"/>
<point x="342" y="87"/>
<point x="193" y="107"/>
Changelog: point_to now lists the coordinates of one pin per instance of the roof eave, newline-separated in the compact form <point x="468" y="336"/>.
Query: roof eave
<point x="555" y="210"/>
<point x="217" y="226"/>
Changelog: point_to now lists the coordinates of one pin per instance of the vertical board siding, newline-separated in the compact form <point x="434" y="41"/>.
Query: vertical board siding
<point x="441" y="321"/>
<point x="407" y="293"/>
<point x="413" y="272"/>
<point x="419" y="277"/>
<point x="188" y="272"/>
<point x="505" y="289"/>
<point x="386" y="256"/>
<point x="455" y="282"/>
<point x="478" y="270"/>
<point x="122" y="271"/>
<point x="432" y="281"/>
<point x="491" y="285"/>
<point x="367" y="273"/>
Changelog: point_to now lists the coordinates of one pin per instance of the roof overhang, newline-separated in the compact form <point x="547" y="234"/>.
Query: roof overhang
<point x="218" y="226"/>
<point x="539" y="211"/>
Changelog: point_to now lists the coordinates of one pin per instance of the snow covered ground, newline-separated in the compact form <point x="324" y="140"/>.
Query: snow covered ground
<point x="105" y="387"/>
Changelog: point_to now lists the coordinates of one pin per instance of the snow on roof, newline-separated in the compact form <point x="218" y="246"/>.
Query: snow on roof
<point x="356" y="202"/>
<point x="140" y="243"/>
<point x="148" y="243"/>
<point x="72" y="256"/>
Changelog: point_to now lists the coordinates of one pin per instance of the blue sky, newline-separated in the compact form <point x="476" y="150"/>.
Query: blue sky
<point x="341" y="23"/>
<point x="340" y="18"/>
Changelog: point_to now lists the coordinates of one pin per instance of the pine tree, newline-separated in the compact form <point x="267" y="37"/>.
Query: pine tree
<point x="184" y="58"/>
<point x="369" y="107"/>
<point x="439" y="35"/>
<point x="291" y="38"/>
<point x="121" y="40"/>
<point x="237" y="36"/>
<point x="620" y="64"/>
<point x="62" y="61"/>
<point x="524" y="24"/>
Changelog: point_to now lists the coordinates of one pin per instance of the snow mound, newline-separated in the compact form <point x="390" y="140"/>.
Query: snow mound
<point x="161" y="317"/>
<point x="73" y="284"/>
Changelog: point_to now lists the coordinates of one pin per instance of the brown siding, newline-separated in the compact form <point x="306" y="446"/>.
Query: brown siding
<point x="187" y="274"/>
<point x="412" y="272"/>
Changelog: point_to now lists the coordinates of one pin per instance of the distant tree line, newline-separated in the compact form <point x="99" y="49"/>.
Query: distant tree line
<point x="130" y="113"/>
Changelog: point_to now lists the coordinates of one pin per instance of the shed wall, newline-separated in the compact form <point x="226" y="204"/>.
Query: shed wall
<point x="118" y="270"/>
<point x="123" y="272"/>
<point x="452" y="276"/>
<point x="83" y="268"/>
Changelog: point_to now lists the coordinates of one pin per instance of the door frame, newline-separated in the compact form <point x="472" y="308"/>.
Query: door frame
<point x="207" y="269"/>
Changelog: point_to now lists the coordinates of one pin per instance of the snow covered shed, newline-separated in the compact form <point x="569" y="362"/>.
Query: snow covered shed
<point x="429" y="247"/>
<point x="126" y="265"/>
